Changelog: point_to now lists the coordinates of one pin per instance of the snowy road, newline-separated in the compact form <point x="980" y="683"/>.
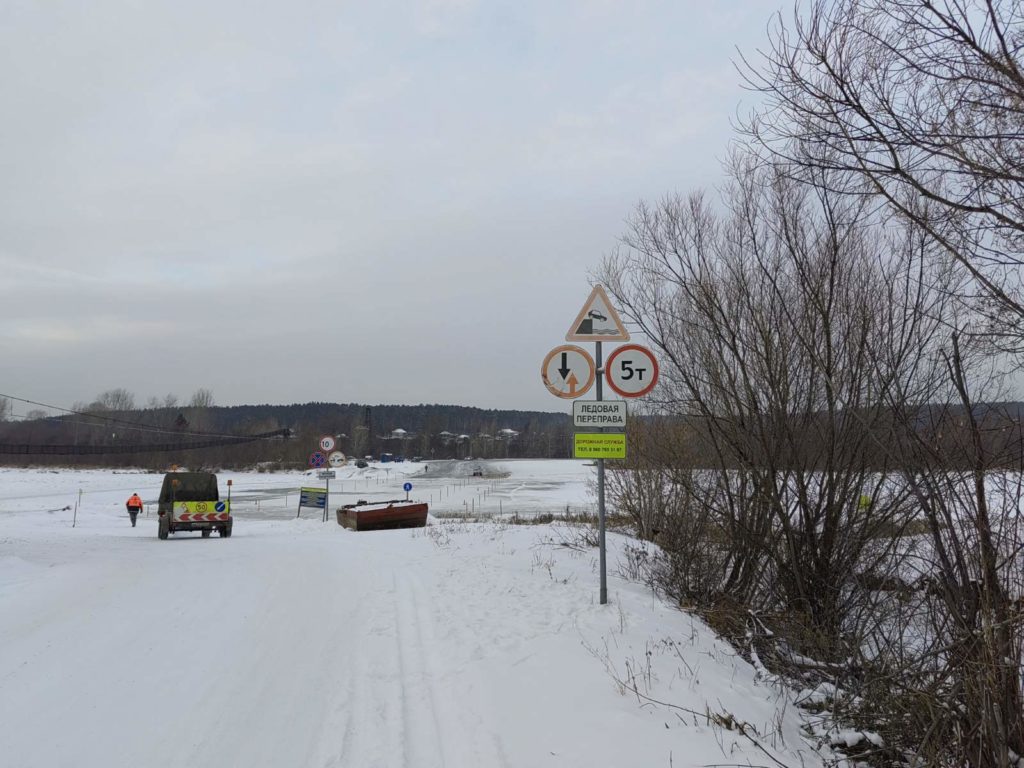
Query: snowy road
<point x="297" y="643"/>
<point x="249" y="651"/>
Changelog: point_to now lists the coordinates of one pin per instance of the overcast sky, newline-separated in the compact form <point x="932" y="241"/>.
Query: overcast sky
<point x="338" y="201"/>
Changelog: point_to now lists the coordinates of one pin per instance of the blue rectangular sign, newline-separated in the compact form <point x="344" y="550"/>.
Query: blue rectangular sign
<point x="313" y="497"/>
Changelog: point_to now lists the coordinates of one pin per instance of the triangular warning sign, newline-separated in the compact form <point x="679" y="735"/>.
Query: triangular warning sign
<point x="598" y="320"/>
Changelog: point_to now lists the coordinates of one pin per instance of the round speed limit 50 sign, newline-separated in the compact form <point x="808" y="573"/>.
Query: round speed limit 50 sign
<point x="631" y="370"/>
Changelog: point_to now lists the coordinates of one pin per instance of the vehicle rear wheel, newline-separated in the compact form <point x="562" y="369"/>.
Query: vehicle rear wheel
<point x="225" y="529"/>
<point x="164" y="528"/>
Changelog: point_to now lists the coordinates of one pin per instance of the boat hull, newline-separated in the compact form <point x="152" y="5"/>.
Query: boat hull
<point x="383" y="516"/>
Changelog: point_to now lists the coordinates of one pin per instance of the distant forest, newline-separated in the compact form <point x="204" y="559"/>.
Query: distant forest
<point x="156" y="437"/>
<point x="284" y="436"/>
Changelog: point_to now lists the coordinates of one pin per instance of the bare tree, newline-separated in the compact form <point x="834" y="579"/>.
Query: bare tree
<point x="167" y="401"/>
<point x="360" y="438"/>
<point x="201" y="398"/>
<point x="785" y="327"/>
<point x="5" y="409"/>
<point x="656" y="487"/>
<point x="966" y="623"/>
<point x="808" y="345"/>
<point x="920" y="104"/>
<point x="198" y="408"/>
<point x="113" y="400"/>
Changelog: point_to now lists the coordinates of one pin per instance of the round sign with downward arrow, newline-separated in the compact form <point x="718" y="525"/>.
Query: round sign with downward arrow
<point x="568" y="371"/>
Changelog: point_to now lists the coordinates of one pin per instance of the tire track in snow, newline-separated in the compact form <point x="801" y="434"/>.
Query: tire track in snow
<point x="400" y="705"/>
<point x="424" y="741"/>
<point x="457" y="719"/>
<point x="373" y="713"/>
<point x="345" y="707"/>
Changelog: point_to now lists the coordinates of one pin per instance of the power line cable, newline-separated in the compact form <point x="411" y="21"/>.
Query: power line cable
<point x="28" y="449"/>
<point x="141" y="426"/>
<point x="212" y="439"/>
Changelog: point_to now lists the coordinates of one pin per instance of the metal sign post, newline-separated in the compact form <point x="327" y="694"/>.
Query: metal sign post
<point x="598" y="321"/>
<point x="600" y="488"/>
<point x="568" y="372"/>
<point x="327" y="495"/>
<point x="326" y="475"/>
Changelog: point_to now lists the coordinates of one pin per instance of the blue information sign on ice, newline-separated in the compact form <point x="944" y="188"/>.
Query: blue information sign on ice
<point x="313" y="497"/>
<point x="407" y="487"/>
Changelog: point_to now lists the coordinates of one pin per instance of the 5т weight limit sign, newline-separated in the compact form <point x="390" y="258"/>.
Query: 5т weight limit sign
<point x="631" y="370"/>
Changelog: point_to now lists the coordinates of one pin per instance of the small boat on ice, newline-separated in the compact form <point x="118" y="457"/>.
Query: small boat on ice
<point x="381" y="515"/>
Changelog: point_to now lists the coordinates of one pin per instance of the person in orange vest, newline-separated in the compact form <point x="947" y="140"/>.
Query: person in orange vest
<point x="134" y="505"/>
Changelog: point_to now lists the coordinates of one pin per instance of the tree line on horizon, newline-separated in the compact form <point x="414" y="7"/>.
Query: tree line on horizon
<point x="427" y="431"/>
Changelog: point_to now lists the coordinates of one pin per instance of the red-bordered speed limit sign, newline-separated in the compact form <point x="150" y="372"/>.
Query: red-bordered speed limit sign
<point x="631" y="370"/>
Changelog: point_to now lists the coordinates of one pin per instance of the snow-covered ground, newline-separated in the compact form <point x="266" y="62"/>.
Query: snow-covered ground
<point x="299" y="643"/>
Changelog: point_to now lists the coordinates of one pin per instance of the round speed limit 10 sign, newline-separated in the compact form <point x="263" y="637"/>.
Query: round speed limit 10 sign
<point x="631" y="370"/>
